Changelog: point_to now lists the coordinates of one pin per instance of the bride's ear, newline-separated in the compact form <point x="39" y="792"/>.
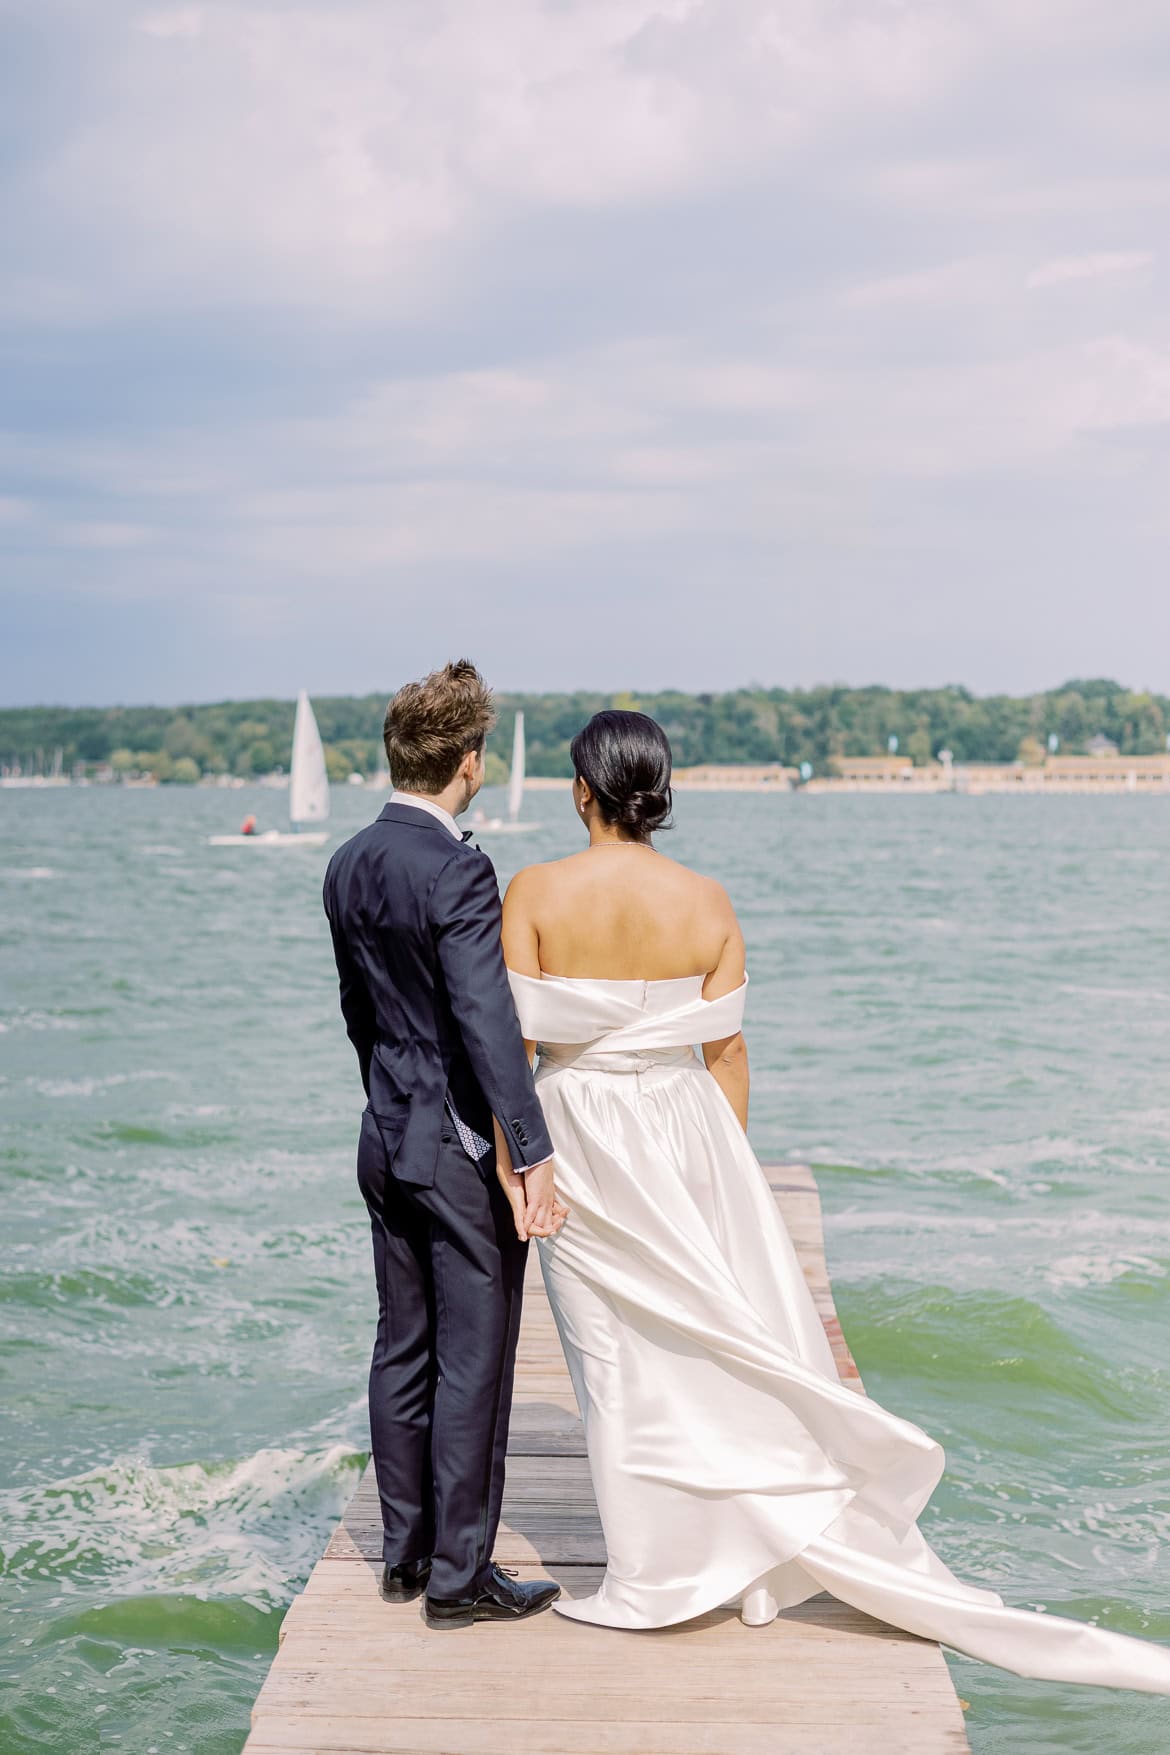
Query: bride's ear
<point x="582" y="794"/>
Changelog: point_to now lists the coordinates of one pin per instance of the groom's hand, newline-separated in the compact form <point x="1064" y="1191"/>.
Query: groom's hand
<point x="545" y="1213"/>
<point x="512" y="1183"/>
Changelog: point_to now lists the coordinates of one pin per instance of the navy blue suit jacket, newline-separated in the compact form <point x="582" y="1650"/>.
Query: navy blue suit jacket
<point x="415" y="918"/>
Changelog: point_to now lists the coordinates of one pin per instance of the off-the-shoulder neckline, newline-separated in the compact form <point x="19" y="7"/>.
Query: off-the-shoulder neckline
<point x="620" y="980"/>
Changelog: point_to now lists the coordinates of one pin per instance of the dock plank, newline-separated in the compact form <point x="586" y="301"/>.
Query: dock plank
<point x="356" y="1676"/>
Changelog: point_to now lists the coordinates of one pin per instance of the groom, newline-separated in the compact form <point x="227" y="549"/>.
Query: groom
<point x="415" y="917"/>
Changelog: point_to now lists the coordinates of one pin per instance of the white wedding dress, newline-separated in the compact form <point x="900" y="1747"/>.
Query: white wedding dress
<point x="725" y="1453"/>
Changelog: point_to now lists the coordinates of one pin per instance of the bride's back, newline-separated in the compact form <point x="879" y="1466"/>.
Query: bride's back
<point x="620" y="911"/>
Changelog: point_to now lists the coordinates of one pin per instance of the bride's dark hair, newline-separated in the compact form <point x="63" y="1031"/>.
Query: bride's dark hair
<point x="625" y="758"/>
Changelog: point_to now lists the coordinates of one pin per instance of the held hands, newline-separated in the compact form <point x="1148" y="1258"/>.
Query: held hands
<point x="536" y="1209"/>
<point x="545" y="1212"/>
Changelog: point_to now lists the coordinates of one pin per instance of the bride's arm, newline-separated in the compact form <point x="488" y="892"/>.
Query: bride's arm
<point x="545" y="1212"/>
<point x="727" y="1059"/>
<point x="520" y="936"/>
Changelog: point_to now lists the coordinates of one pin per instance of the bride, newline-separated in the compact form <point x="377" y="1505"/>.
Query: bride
<point x="729" y="1462"/>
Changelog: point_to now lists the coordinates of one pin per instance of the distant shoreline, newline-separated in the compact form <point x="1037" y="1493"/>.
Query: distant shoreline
<point x="1135" y="776"/>
<point x="864" y="739"/>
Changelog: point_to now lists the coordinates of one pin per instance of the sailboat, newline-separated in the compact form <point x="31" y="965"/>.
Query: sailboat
<point x="308" y="790"/>
<point x="511" y="824"/>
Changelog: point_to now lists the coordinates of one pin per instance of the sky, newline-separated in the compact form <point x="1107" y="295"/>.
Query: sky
<point x="616" y="344"/>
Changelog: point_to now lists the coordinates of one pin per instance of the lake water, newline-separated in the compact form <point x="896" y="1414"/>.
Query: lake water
<point x="960" y="1013"/>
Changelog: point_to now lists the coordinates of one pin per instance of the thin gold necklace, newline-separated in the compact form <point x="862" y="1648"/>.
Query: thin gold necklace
<point x="601" y="846"/>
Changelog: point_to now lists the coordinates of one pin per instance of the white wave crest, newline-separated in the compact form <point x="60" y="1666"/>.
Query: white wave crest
<point x="1072" y="1272"/>
<point x="31" y="1020"/>
<point x="248" y="1528"/>
<point x="88" y="1087"/>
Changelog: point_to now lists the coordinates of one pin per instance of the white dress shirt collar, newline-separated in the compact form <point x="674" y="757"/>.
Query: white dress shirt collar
<point x="436" y="810"/>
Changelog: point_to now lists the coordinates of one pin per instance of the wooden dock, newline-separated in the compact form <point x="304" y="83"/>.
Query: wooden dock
<point x="354" y="1674"/>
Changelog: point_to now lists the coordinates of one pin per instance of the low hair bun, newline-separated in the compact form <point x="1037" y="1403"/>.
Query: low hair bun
<point x="625" y="759"/>
<point x="644" y="812"/>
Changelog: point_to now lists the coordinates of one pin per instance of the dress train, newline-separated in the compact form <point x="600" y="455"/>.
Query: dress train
<point x="728" y="1460"/>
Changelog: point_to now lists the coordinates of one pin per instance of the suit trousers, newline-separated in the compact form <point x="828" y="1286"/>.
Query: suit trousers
<point x="450" y="1275"/>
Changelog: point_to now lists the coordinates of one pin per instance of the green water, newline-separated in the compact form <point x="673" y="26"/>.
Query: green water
<point x="960" y="1012"/>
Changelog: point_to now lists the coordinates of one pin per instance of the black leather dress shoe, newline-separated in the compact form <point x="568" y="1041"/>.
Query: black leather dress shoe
<point x="401" y="1584"/>
<point x="501" y="1597"/>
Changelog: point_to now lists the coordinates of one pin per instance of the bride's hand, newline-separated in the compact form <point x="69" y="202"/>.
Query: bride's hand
<point x="546" y="1212"/>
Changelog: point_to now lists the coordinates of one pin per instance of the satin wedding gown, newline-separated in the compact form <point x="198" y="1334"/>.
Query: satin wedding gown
<point x="725" y="1452"/>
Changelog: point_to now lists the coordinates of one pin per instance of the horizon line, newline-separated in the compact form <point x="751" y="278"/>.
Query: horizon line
<point x="1070" y="685"/>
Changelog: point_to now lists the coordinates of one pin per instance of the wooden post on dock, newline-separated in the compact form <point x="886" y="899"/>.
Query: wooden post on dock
<point x="356" y="1676"/>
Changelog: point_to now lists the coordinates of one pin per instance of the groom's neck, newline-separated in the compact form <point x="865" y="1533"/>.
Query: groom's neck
<point x="453" y="799"/>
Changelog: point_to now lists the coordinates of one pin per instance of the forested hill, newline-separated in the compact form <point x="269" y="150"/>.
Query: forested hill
<point x="745" y="725"/>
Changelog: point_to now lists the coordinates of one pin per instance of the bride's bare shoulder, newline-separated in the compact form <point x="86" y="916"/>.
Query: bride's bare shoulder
<point x="531" y="881"/>
<point x="538" y="874"/>
<point x="699" y="884"/>
<point x="533" y="877"/>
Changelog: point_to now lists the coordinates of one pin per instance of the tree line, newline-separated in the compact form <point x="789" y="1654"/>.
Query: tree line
<point x="792" y="726"/>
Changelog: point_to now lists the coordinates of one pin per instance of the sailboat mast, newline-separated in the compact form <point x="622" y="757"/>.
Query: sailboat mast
<point x="516" y="779"/>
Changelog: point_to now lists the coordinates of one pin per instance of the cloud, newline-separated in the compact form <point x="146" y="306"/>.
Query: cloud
<point x="1123" y="385"/>
<point x="103" y="534"/>
<point x="347" y="155"/>
<point x="1092" y="267"/>
<point x="176" y="21"/>
<point x="952" y="283"/>
<point x="319" y="308"/>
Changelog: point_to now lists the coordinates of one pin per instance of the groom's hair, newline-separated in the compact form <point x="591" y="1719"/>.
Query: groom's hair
<point x="431" y="725"/>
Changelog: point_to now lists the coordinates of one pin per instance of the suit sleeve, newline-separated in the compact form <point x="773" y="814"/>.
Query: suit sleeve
<point x="356" y="1006"/>
<point x="465" y="918"/>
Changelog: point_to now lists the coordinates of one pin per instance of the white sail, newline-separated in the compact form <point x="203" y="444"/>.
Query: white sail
<point x="308" y="792"/>
<point x="516" y="782"/>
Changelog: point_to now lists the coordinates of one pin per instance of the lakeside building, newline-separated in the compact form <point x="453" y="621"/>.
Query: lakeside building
<point x="883" y="774"/>
<point x="706" y="777"/>
<point x="1090" y="773"/>
<point x="1066" y="774"/>
<point x="897" y="774"/>
<point x="734" y="777"/>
